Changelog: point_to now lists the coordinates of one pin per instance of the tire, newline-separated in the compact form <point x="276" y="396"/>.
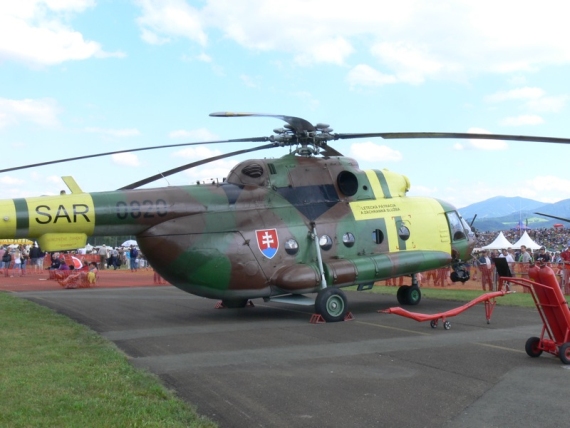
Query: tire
<point x="531" y="347"/>
<point x="234" y="303"/>
<point x="414" y="295"/>
<point x="402" y="295"/>
<point x="331" y="304"/>
<point x="433" y="323"/>
<point x="409" y="295"/>
<point x="447" y="325"/>
<point x="564" y="353"/>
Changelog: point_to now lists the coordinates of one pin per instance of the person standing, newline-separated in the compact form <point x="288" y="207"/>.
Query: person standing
<point x="133" y="252"/>
<point x="103" y="256"/>
<point x="486" y="270"/>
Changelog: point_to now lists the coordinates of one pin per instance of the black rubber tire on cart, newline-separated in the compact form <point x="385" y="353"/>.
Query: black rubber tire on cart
<point x="531" y="347"/>
<point x="331" y="304"/>
<point x="564" y="353"/>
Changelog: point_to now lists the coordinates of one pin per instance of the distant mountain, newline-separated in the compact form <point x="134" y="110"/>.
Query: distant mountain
<point x="499" y="206"/>
<point x="502" y="213"/>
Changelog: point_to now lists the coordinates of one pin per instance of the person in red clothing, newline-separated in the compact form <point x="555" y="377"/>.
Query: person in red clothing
<point x="486" y="271"/>
<point x="565" y="256"/>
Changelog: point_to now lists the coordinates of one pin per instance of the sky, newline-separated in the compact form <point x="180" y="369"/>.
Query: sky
<point x="80" y="77"/>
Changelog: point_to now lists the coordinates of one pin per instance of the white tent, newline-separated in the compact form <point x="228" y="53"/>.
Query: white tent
<point x="527" y="242"/>
<point x="499" y="243"/>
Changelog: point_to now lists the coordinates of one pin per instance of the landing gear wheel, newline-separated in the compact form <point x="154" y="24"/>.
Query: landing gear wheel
<point x="433" y="323"/>
<point x="564" y="353"/>
<point x="531" y="347"/>
<point x="414" y="295"/>
<point x="234" y="303"/>
<point x="331" y="304"/>
<point x="401" y="295"/>
<point x="409" y="295"/>
<point x="447" y="325"/>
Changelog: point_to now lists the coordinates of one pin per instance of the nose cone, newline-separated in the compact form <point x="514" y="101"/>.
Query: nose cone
<point x="8" y="219"/>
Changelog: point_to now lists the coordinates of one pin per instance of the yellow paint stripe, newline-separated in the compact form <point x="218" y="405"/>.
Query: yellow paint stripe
<point x="374" y="184"/>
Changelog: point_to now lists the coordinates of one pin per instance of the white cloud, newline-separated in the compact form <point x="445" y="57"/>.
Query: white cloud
<point x="126" y="159"/>
<point x="199" y="152"/>
<point x="42" y="112"/>
<point x="477" y="144"/>
<point x="127" y="132"/>
<point x="200" y="134"/>
<point x="364" y="75"/>
<point x="413" y="40"/>
<point x="162" y="19"/>
<point x="6" y="179"/>
<point x="551" y="104"/>
<point x="526" y="93"/>
<point x="522" y="120"/>
<point x="36" y="32"/>
<point x="370" y="152"/>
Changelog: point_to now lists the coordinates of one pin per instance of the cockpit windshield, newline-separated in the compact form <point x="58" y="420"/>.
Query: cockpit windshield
<point x="458" y="226"/>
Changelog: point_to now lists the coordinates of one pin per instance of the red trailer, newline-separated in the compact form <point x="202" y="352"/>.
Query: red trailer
<point x="487" y="298"/>
<point x="553" y="310"/>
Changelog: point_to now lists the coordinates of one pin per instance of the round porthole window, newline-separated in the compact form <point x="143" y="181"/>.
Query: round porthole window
<point x="403" y="233"/>
<point x="348" y="239"/>
<point x="291" y="246"/>
<point x="325" y="242"/>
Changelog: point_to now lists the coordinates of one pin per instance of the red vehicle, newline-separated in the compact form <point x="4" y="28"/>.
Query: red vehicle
<point x="553" y="310"/>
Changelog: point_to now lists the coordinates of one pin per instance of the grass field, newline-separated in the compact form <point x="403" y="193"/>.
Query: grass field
<point x="56" y="373"/>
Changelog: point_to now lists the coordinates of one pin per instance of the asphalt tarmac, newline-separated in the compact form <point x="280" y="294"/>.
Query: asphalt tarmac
<point x="267" y="366"/>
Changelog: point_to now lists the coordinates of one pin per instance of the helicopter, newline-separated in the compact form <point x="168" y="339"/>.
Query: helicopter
<point x="281" y="229"/>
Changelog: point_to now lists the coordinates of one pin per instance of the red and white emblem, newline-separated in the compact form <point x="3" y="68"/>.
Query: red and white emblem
<point x="267" y="242"/>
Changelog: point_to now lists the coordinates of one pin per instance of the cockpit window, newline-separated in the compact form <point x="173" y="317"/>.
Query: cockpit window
<point x="456" y="226"/>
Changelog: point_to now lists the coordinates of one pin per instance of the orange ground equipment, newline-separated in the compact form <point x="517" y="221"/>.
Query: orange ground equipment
<point x="553" y="310"/>
<point x="487" y="298"/>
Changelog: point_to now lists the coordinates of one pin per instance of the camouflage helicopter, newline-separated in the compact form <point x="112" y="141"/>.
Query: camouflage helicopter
<point x="278" y="229"/>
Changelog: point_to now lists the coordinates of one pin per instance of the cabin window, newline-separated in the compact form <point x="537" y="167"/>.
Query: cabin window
<point x="404" y="233"/>
<point x="325" y="242"/>
<point x="455" y="226"/>
<point x="378" y="236"/>
<point x="348" y="239"/>
<point x="291" y="246"/>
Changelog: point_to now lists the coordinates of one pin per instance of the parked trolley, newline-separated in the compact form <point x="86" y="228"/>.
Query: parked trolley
<point x="553" y="310"/>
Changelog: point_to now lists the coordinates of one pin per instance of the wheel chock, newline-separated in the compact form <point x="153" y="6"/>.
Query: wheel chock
<point x="317" y="319"/>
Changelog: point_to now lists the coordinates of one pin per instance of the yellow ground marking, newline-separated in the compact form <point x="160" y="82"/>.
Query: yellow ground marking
<point x="518" y="351"/>
<point x="392" y="328"/>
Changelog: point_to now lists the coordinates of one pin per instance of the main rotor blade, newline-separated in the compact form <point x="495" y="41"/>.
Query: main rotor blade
<point x="462" y="135"/>
<point x="553" y="216"/>
<point x="235" y="140"/>
<point x="192" y="165"/>
<point x="296" y="123"/>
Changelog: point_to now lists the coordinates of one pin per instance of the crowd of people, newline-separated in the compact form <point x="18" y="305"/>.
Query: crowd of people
<point x="19" y="259"/>
<point x="553" y="239"/>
